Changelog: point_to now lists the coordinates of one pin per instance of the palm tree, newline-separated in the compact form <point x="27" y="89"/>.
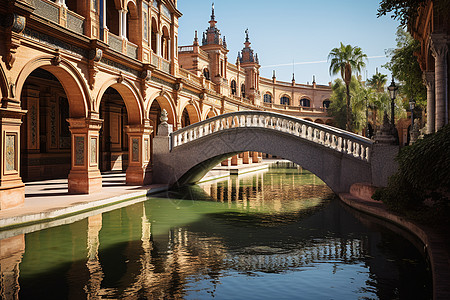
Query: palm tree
<point x="378" y="81"/>
<point x="345" y="60"/>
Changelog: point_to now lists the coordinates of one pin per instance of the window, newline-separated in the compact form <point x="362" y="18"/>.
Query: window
<point x="267" y="98"/>
<point x="206" y="73"/>
<point x="305" y="102"/>
<point x="326" y="103"/>
<point x="243" y="90"/>
<point x="233" y="87"/>
<point x="145" y="21"/>
<point x="285" y="100"/>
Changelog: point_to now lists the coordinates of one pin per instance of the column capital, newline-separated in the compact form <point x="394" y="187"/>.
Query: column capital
<point x="85" y="123"/>
<point x="428" y="79"/>
<point x="438" y="45"/>
<point x="144" y="128"/>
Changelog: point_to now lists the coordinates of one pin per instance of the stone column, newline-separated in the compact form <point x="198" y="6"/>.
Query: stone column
<point x="138" y="171"/>
<point x="84" y="176"/>
<point x="158" y="44"/>
<point x="439" y="50"/>
<point x="124" y="23"/>
<point x="431" y="105"/>
<point x="12" y="189"/>
<point x="121" y="32"/>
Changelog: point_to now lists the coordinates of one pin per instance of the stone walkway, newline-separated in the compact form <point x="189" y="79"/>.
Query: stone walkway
<point x="49" y="199"/>
<point x="436" y="244"/>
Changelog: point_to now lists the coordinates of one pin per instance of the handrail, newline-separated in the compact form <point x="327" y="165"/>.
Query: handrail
<point x="327" y="136"/>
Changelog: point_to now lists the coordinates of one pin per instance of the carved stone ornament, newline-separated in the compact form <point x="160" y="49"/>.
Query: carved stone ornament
<point x="164" y="116"/>
<point x="15" y="22"/>
<point x="146" y="75"/>
<point x="95" y="54"/>
<point x="56" y="60"/>
<point x="121" y="78"/>
<point x="178" y="86"/>
<point x="201" y="96"/>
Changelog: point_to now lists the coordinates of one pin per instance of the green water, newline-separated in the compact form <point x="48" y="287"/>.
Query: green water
<point x="279" y="234"/>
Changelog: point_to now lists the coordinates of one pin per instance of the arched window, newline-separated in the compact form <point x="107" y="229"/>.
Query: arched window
<point x="285" y="100"/>
<point x="233" y="87"/>
<point x="206" y="73"/>
<point x="326" y="103"/>
<point x="154" y="35"/>
<point x="267" y="98"/>
<point x="243" y="90"/>
<point x="165" y="43"/>
<point x="305" y="102"/>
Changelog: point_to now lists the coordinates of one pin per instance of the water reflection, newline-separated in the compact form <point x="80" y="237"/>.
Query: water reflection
<point x="277" y="234"/>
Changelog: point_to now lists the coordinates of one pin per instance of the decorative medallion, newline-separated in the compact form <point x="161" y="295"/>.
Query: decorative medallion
<point x="135" y="149"/>
<point x="79" y="150"/>
<point x="10" y="152"/>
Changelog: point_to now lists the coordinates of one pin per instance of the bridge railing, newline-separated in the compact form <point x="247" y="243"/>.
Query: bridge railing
<point x="327" y="136"/>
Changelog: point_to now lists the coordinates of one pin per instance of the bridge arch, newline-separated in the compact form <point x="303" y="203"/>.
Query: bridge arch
<point x="338" y="158"/>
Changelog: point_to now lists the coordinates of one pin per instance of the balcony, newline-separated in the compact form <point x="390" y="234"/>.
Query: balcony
<point x="59" y="15"/>
<point x="160" y="63"/>
<point x="122" y="45"/>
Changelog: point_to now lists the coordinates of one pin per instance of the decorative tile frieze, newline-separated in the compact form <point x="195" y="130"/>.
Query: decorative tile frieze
<point x="163" y="82"/>
<point x="119" y="66"/>
<point x="75" y="24"/>
<point x="53" y="42"/>
<point x="46" y="10"/>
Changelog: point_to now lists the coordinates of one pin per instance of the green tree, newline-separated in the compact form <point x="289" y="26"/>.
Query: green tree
<point x="406" y="69"/>
<point x="344" y="60"/>
<point x="378" y="81"/>
<point x="406" y="10"/>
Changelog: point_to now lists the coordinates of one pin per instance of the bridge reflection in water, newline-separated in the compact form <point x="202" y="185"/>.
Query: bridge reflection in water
<point x="230" y="242"/>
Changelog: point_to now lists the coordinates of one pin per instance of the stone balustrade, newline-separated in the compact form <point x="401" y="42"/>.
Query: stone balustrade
<point x="327" y="136"/>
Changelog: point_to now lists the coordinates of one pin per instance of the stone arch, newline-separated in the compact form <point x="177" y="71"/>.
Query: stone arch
<point x="308" y="119"/>
<point x="285" y="99"/>
<point x="131" y="97"/>
<point x="166" y="102"/>
<point x="319" y="121"/>
<point x="70" y="78"/>
<point x="209" y="113"/>
<point x="133" y="22"/>
<point x="268" y="98"/>
<point x="305" y="101"/>
<point x="3" y="84"/>
<point x="329" y="122"/>
<point x="165" y="44"/>
<point x="193" y="111"/>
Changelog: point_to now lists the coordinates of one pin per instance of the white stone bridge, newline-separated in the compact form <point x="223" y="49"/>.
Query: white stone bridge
<point x="338" y="157"/>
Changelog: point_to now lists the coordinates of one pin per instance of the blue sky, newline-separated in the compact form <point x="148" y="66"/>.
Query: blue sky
<point x="299" y="31"/>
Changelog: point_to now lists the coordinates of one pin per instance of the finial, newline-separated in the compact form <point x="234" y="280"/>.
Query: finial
<point x="195" y="38"/>
<point x="293" y="78"/>
<point x="314" y="78"/>
<point x="224" y="43"/>
<point x="164" y="116"/>
<point x="246" y="35"/>
<point x="273" y="76"/>
<point x="212" y="14"/>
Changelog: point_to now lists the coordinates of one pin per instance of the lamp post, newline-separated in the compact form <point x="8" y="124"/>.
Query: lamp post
<point x="367" y="118"/>
<point x="412" y="104"/>
<point x="393" y="93"/>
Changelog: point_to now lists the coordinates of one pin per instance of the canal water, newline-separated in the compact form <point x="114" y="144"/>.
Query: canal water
<point x="277" y="234"/>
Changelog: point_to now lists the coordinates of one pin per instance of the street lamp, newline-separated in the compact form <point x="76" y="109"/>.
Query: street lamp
<point x="393" y="93"/>
<point x="412" y="104"/>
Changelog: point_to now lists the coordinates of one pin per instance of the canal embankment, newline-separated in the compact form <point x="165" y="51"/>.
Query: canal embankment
<point x="49" y="200"/>
<point x="434" y="242"/>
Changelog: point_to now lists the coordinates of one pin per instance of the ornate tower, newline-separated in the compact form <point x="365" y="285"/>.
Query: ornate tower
<point x="250" y="63"/>
<point x="213" y="44"/>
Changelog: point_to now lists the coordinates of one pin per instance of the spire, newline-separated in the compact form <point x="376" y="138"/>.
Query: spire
<point x="212" y="13"/>
<point x="293" y="77"/>
<point x="246" y="35"/>
<point x="224" y="43"/>
<point x="196" y="39"/>
<point x="314" y="78"/>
